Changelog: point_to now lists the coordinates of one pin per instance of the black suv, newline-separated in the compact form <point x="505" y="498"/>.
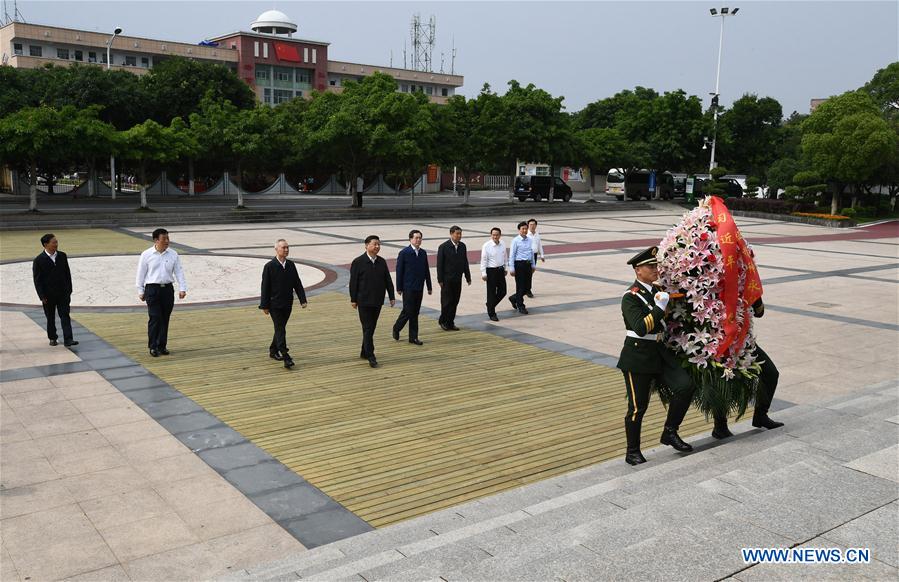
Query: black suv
<point x="537" y="187"/>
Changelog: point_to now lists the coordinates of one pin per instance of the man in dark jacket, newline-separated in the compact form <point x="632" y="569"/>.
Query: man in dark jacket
<point x="645" y="359"/>
<point x="412" y="273"/>
<point x="452" y="264"/>
<point x="280" y="280"/>
<point x="53" y="283"/>
<point x="369" y="280"/>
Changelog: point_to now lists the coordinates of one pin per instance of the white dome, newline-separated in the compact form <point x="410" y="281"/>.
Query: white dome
<point x="274" y="22"/>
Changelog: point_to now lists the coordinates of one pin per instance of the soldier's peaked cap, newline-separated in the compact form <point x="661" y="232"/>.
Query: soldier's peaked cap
<point x="647" y="257"/>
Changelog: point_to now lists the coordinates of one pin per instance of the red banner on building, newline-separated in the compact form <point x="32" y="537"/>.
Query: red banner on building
<point x="736" y="258"/>
<point x="287" y="52"/>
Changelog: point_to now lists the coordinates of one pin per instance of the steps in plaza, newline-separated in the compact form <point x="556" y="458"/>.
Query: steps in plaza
<point x="58" y="218"/>
<point x="675" y="517"/>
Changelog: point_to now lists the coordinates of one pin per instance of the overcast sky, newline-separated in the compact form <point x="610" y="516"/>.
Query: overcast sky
<point x="792" y="51"/>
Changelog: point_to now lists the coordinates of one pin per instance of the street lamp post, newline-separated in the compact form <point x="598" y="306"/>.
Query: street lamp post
<point x="115" y="33"/>
<point x="718" y="14"/>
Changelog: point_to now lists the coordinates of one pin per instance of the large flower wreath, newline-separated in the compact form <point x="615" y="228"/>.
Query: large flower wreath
<point x="707" y="266"/>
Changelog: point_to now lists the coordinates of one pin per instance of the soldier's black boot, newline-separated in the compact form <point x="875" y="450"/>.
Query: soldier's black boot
<point x="721" y="431"/>
<point x="763" y="421"/>
<point x="671" y="438"/>
<point x="633" y="456"/>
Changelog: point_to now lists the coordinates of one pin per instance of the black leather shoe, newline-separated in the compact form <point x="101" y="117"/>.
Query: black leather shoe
<point x="54" y="343"/>
<point x="275" y="356"/>
<point x="765" y="422"/>
<point x="529" y="294"/>
<point x="721" y="431"/>
<point x="494" y="317"/>
<point x="634" y="458"/>
<point x="513" y="302"/>
<point x="373" y="362"/>
<point x="154" y="353"/>
<point x="163" y="352"/>
<point x="396" y="335"/>
<point x="671" y="438"/>
<point x="522" y="309"/>
<point x="453" y="328"/>
<point x="417" y="342"/>
<point x="70" y="343"/>
<point x="444" y="327"/>
<point x="288" y="363"/>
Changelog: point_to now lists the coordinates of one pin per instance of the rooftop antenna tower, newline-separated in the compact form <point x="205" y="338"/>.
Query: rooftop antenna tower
<point x="14" y="16"/>
<point x="423" y="38"/>
<point x="453" y="58"/>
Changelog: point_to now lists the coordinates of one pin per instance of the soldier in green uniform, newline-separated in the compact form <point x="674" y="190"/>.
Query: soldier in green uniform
<point x="645" y="359"/>
<point x="767" y="385"/>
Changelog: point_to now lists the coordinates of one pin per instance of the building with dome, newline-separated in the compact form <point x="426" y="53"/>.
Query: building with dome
<point x="270" y="57"/>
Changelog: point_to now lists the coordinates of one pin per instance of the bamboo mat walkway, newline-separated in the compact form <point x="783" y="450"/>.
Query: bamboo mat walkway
<point x="466" y="415"/>
<point x="26" y="244"/>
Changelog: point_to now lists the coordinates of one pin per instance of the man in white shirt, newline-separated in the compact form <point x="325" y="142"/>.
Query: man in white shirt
<point x="521" y="266"/>
<point x="536" y="246"/>
<point x="157" y="271"/>
<point x="493" y="270"/>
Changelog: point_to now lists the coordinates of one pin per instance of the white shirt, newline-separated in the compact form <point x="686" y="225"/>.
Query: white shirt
<point x="492" y="255"/>
<point x="52" y="257"/>
<point x="372" y="258"/>
<point x="536" y="243"/>
<point x="647" y="286"/>
<point x="156" y="267"/>
<point x="283" y="263"/>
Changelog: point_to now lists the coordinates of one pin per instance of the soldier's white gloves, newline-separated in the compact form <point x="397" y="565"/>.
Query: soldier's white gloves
<point x="661" y="299"/>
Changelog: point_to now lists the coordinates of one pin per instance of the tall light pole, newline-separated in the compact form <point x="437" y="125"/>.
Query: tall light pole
<point x="718" y="14"/>
<point x="115" y="33"/>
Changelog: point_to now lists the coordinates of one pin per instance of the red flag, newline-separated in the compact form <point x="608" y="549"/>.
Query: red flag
<point x="735" y="255"/>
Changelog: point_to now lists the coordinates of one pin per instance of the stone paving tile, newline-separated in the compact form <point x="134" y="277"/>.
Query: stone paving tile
<point x="86" y="461"/>
<point x="219" y="518"/>
<point x="185" y="466"/>
<point x="58" y="425"/>
<point x="125" y="434"/>
<point x="54" y="544"/>
<point x="877" y="530"/>
<point x="111" y="574"/>
<point x="191" y="492"/>
<point x="115" y="417"/>
<point x="124" y="508"/>
<point x="883" y="463"/>
<point x="36" y="470"/>
<point x="33" y="498"/>
<point x="7" y="567"/>
<point x="11" y="387"/>
<point x="151" y="449"/>
<point x="104" y="483"/>
<point x="147" y="537"/>
<point x="71" y="442"/>
<point x="13" y="431"/>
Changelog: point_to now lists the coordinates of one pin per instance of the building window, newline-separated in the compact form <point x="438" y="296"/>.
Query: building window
<point x="267" y="96"/>
<point x="262" y="75"/>
<point x="314" y="56"/>
<point x="35" y="51"/>
<point x="79" y="55"/>
<point x="333" y="82"/>
<point x="429" y="90"/>
<point x="130" y="61"/>
<point x="305" y="54"/>
<point x="17" y="49"/>
<point x="444" y="91"/>
<point x="256" y="48"/>
<point x="265" y="50"/>
<point x="103" y="58"/>
<point x="62" y="54"/>
<point x="304" y="78"/>
<point x="282" y="96"/>
<point x="404" y="88"/>
<point x="145" y="62"/>
<point x="91" y="57"/>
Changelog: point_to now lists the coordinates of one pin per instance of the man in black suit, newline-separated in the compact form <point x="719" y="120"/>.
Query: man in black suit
<point x="452" y="264"/>
<point x="412" y="274"/>
<point x="53" y="283"/>
<point x="369" y="280"/>
<point x="280" y="280"/>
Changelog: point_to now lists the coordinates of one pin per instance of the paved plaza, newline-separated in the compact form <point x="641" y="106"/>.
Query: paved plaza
<point x="493" y="453"/>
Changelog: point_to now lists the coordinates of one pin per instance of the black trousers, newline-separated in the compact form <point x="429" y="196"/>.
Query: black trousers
<point x="279" y="339"/>
<point x="59" y="305"/>
<point x="531" y="282"/>
<point x="411" y="307"/>
<point x="450" y="293"/>
<point x="524" y="272"/>
<point x="767" y="383"/>
<point x="368" y="316"/>
<point x="160" y="302"/>
<point x="496" y="288"/>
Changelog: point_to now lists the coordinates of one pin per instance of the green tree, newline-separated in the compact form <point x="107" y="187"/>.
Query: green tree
<point x="749" y="134"/>
<point x="780" y="175"/>
<point x="845" y="141"/>
<point x="884" y="89"/>
<point x="177" y="86"/>
<point x="247" y="135"/>
<point x="36" y="138"/>
<point x="211" y="128"/>
<point x="91" y="139"/>
<point x="149" y="143"/>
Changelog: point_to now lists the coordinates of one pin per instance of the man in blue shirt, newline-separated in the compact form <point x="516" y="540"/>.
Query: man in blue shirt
<point x="412" y="272"/>
<point x="521" y="266"/>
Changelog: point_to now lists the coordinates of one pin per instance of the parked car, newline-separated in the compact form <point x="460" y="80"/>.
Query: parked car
<point x="538" y="187"/>
<point x="732" y="188"/>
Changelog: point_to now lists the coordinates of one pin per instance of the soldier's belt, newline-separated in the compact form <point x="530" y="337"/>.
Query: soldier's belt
<point x="653" y="337"/>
